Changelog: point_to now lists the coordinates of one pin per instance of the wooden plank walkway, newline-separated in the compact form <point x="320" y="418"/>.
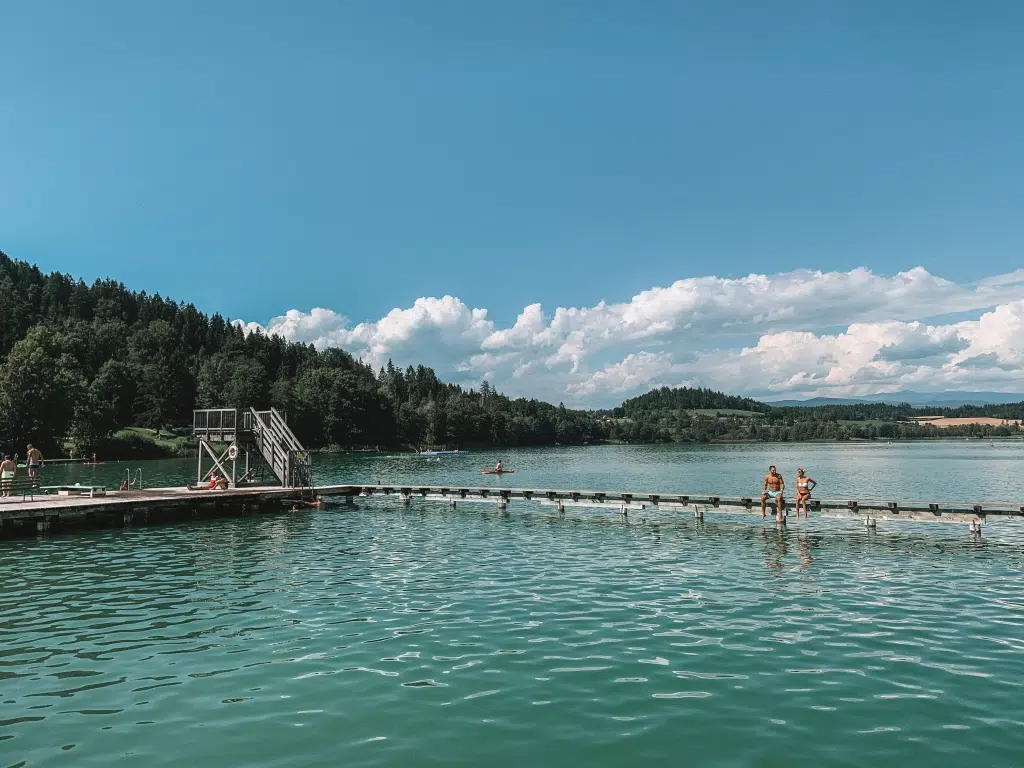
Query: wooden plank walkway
<point x="53" y="508"/>
<point x="51" y="505"/>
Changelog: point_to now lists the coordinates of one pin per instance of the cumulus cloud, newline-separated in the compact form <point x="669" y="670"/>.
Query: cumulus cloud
<point x="866" y="358"/>
<point x="704" y="331"/>
<point x="636" y="371"/>
<point x="445" y="330"/>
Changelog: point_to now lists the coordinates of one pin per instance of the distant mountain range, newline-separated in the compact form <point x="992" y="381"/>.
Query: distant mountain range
<point x="917" y="399"/>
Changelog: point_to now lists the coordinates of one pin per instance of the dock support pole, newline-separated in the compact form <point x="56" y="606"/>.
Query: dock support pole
<point x="976" y="527"/>
<point x="451" y="502"/>
<point x="623" y="511"/>
<point x="698" y="513"/>
<point x="561" y="509"/>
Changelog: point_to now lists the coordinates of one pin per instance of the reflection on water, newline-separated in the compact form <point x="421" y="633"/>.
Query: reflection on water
<point x="379" y="635"/>
<point x="373" y="634"/>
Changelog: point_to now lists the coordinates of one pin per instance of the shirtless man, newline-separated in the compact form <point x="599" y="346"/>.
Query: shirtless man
<point x="804" y="486"/>
<point x="7" y="471"/>
<point x="33" y="460"/>
<point x="774" y="485"/>
<point x="499" y="467"/>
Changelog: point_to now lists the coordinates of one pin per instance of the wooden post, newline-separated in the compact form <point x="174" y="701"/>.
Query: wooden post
<point x="698" y="513"/>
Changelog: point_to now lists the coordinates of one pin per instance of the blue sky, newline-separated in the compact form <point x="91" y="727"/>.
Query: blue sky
<point x="257" y="157"/>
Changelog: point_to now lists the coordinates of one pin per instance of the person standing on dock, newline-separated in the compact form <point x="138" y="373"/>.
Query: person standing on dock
<point x="804" y="486"/>
<point x="33" y="460"/>
<point x="774" y="485"/>
<point x="8" y="468"/>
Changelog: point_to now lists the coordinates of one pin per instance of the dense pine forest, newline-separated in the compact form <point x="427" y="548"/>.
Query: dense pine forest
<point x="82" y="362"/>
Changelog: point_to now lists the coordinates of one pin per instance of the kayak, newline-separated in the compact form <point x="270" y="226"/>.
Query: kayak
<point x="499" y="472"/>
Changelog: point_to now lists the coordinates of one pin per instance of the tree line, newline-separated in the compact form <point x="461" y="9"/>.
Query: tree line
<point x="80" y="362"/>
<point x="701" y="415"/>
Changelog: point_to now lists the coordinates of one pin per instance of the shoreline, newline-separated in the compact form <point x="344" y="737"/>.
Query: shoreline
<point x="191" y="453"/>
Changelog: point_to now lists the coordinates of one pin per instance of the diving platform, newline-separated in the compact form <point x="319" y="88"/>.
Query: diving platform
<point x="250" y="447"/>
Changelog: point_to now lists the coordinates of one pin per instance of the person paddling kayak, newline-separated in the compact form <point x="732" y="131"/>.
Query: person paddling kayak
<point x="499" y="469"/>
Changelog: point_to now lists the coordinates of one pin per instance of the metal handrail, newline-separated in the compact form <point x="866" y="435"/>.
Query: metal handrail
<point x="128" y="483"/>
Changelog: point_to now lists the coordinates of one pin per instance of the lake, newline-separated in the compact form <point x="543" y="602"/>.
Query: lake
<point x="377" y="635"/>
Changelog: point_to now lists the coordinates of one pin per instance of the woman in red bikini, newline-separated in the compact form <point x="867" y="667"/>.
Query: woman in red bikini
<point x="804" y="486"/>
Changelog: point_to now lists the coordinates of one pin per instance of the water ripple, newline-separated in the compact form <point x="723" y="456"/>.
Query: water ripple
<point x="375" y="635"/>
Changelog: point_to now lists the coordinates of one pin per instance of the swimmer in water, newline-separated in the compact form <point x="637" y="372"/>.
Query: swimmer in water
<point x="804" y="486"/>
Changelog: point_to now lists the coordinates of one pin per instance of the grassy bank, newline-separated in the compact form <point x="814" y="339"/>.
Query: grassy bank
<point x="144" y="443"/>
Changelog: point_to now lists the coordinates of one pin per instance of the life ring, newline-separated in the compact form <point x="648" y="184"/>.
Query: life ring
<point x="233" y="452"/>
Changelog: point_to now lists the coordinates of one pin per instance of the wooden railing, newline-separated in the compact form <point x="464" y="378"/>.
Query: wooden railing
<point x="280" y="448"/>
<point x="217" y="425"/>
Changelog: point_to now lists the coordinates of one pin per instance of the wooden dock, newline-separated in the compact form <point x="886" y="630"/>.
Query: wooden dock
<point x="158" y="504"/>
<point x="151" y="505"/>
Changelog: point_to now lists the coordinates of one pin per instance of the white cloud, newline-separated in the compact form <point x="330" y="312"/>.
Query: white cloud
<point x="444" y="331"/>
<point x="703" y="329"/>
<point x="636" y="371"/>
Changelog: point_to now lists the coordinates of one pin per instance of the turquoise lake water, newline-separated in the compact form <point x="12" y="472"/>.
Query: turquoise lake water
<point x="377" y="635"/>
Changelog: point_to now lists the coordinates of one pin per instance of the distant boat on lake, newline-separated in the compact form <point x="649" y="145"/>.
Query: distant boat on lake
<point x="443" y="453"/>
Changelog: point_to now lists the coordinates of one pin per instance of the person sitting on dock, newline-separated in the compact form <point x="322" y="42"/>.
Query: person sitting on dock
<point x="33" y="460"/>
<point x="804" y="486"/>
<point x="217" y="483"/>
<point x="8" y="468"/>
<point x="774" y="485"/>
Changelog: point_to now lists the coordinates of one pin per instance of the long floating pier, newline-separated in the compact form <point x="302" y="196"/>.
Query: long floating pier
<point x="868" y="510"/>
<point x="168" y="503"/>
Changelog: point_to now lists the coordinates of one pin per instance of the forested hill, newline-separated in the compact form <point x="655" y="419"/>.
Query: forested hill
<point x="82" y="361"/>
<point x="704" y="415"/>
<point x="676" y="398"/>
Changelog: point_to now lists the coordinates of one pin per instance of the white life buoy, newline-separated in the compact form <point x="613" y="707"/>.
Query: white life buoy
<point x="233" y="452"/>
